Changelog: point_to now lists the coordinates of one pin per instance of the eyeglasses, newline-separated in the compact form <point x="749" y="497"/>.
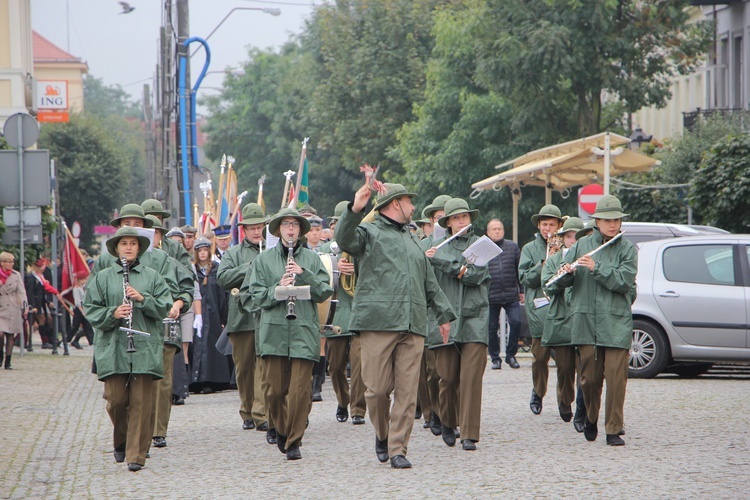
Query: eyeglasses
<point x="290" y="223"/>
<point x="8" y="261"/>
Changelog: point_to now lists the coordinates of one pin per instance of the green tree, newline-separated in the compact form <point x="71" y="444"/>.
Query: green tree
<point x="106" y="101"/>
<point x="721" y="186"/>
<point x="93" y="171"/>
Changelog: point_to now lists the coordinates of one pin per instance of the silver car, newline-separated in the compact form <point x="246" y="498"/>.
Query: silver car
<point x="692" y="306"/>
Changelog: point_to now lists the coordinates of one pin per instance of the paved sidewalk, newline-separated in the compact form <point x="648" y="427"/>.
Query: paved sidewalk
<point x="685" y="438"/>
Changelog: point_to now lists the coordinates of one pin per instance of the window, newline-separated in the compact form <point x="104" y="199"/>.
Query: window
<point x="708" y="264"/>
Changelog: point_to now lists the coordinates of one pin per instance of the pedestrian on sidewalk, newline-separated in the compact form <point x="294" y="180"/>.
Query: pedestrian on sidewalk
<point x="13" y="308"/>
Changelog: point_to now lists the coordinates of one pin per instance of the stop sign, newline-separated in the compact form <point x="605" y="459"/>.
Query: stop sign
<point x="588" y="196"/>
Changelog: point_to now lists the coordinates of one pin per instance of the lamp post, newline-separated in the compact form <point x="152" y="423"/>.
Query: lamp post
<point x="638" y="138"/>
<point x="607" y="153"/>
<point x="266" y="10"/>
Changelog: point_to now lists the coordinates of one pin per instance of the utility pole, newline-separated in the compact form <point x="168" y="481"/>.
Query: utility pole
<point x="150" y="142"/>
<point x="183" y="33"/>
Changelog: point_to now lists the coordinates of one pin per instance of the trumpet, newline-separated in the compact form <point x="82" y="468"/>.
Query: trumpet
<point x="577" y="263"/>
<point x="126" y="301"/>
<point x="290" y="314"/>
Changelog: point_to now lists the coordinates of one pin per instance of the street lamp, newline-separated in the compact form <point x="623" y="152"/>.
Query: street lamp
<point x="266" y="10"/>
<point x="638" y="138"/>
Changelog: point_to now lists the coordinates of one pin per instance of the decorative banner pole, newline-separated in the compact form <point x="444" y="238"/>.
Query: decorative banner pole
<point x="302" y="156"/>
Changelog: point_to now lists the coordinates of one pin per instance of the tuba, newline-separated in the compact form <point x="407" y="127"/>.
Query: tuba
<point x="349" y="282"/>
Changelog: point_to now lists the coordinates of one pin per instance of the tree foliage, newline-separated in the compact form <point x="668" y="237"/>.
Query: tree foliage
<point x="721" y="186"/>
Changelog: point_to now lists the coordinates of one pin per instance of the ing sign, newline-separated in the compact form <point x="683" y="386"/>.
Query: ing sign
<point x="52" y="94"/>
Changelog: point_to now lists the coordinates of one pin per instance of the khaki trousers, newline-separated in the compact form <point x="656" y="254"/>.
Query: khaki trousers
<point x="433" y="380"/>
<point x="540" y="366"/>
<point x="461" y="368"/>
<point x="597" y="364"/>
<point x="289" y="395"/>
<point x="246" y="373"/>
<point x="423" y="391"/>
<point x="130" y="405"/>
<point x="565" y="360"/>
<point x="337" y="358"/>
<point x="163" y="393"/>
<point x="390" y="364"/>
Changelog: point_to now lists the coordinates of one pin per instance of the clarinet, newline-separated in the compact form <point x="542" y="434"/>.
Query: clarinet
<point x="127" y="302"/>
<point x="290" y="314"/>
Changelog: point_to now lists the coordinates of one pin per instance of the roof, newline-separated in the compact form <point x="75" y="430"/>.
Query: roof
<point x="566" y="165"/>
<point x="46" y="51"/>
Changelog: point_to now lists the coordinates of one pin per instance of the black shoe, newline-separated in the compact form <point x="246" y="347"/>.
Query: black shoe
<point x="566" y="413"/>
<point x="248" y="424"/>
<point x="46" y="346"/>
<point x="428" y="423"/>
<point x="8" y="366"/>
<point x="512" y="362"/>
<point x="160" y="442"/>
<point x="400" y="462"/>
<point x="120" y="454"/>
<point x="207" y="390"/>
<point x="468" y="444"/>
<point x="497" y="365"/>
<point x="317" y="388"/>
<point x="271" y="436"/>
<point x="437" y="426"/>
<point x="536" y="403"/>
<point x="262" y="427"/>
<point x="578" y="418"/>
<point x="134" y="467"/>
<point x="76" y="344"/>
<point x="590" y="430"/>
<point x="358" y="420"/>
<point x="179" y="401"/>
<point x="281" y="442"/>
<point x="449" y="435"/>
<point x="418" y="413"/>
<point x="29" y="349"/>
<point x="293" y="452"/>
<point x="381" y="449"/>
<point x="615" y="440"/>
<point x="622" y="432"/>
<point x="342" y="414"/>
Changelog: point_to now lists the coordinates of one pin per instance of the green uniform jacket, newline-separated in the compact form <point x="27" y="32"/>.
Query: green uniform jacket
<point x="234" y="267"/>
<point x="396" y="282"/>
<point x="530" y="275"/>
<point x="344" y="306"/>
<point x="600" y="300"/>
<point x="178" y="253"/>
<point x="557" y="324"/>
<point x="469" y="295"/>
<point x="278" y="336"/>
<point x="105" y="294"/>
<point x="433" y="330"/>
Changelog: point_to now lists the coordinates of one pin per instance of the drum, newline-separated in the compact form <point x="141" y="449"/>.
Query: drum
<point x="171" y="329"/>
<point x="327" y="309"/>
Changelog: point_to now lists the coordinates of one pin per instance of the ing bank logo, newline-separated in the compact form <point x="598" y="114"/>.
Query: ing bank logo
<point x="52" y="94"/>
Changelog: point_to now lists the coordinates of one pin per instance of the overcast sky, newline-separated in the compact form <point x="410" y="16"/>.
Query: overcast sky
<point x="122" y="48"/>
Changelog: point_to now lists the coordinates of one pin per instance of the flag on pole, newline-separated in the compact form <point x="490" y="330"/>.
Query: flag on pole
<point x="229" y="197"/>
<point x="290" y="201"/>
<point x="303" y="197"/>
<point x="73" y="265"/>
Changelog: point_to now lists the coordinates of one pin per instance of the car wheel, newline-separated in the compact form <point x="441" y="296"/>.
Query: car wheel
<point x="649" y="350"/>
<point x="692" y="370"/>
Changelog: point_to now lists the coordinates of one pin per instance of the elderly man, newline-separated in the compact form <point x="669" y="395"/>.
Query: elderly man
<point x="395" y="286"/>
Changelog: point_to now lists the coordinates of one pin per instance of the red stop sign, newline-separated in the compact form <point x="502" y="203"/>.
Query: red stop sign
<point x="588" y="196"/>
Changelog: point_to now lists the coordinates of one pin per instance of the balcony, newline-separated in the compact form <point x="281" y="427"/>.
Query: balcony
<point x="690" y="118"/>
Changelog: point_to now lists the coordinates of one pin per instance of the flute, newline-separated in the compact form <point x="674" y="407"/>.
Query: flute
<point x="462" y="231"/>
<point x="575" y="264"/>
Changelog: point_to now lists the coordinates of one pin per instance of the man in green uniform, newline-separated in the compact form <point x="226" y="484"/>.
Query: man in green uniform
<point x="395" y="286"/>
<point x="344" y="344"/>
<point x="241" y="328"/>
<point x="173" y="249"/>
<point x="601" y="321"/>
<point x="462" y="358"/>
<point x="548" y="221"/>
<point x="289" y="347"/>
<point x="128" y="376"/>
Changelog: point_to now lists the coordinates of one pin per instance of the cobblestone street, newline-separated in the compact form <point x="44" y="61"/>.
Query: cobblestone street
<point x="685" y="438"/>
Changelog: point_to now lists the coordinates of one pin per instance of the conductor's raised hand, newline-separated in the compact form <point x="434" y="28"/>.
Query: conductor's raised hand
<point x="361" y="197"/>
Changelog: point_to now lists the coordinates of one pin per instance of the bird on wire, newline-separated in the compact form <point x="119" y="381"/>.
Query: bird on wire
<point x="126" y="8"/>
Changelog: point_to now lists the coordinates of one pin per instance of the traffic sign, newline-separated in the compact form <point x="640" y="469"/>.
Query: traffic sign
<point x="36" y="188"/>
<point x="29" y="130"/>
<point x="588" y="196"/>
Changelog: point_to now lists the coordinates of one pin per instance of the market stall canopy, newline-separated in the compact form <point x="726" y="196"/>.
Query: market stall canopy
<point x="566" y="165"/>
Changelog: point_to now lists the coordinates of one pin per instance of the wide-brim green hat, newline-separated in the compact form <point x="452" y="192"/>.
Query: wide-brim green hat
<point x="143" y="242"/>
<point x="609" y="207"/>
<point x="273" y="226"/>
<point x="339" y="210"/>
<point x="571" y="224"/>
<point x="154" y="207"/>
<point x="156" y="224"/>
<point x="422" y="222"/>
<point x="252" y="214"/>
<point x="128" y="211"/>
<point x="588" y="227"/>
<point x="547" y="211"/>
<point x="456" y="206"/>
<point x="437" y="204"/>
<point x="393" y="191"/>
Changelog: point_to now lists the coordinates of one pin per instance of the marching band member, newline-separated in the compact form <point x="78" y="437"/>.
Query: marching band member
<point x="395" y="286"/>
<point x="289" y="347"/>
<point x="548" y="221"/>
<point x="173" y="249"/>
<point x="461" y="358"/>
<point x="601" y="321"/>
<point x="128" y="376"/>
<point x="241" y="327"/>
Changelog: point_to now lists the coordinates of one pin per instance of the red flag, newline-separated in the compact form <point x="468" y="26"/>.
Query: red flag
<point x="74" y="265"/>
<point x="290" y="202"/>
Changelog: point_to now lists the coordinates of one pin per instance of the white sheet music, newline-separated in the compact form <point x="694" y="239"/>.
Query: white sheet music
<point x="482" y="251"/>
<point x="271" y="240"/>
<point x="438" y="232"/>
<point x="148" y="233"/>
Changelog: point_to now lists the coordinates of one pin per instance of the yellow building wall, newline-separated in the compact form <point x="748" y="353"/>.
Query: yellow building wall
<point x="72" y="73"/>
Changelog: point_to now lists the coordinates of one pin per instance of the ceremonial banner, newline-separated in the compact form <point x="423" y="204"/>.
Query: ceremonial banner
<point x="303" y="197"/>
<point x="73" y="265"/>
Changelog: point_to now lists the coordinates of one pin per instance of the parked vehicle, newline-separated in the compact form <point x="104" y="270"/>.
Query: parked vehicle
<point x="692" y="306"/>
<point x="640" y="232"/>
